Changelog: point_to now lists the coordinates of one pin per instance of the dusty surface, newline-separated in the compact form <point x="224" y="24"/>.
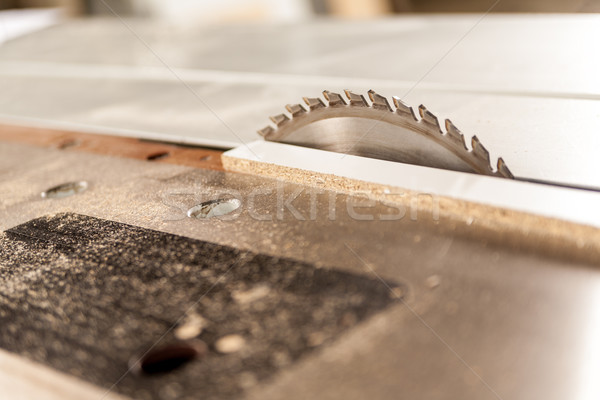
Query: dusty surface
<point x="557" y="237"/>
<point x="519" y="315"/>
<point x="85" y="295"/>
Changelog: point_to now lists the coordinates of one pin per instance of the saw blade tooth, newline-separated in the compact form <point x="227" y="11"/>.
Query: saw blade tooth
<point x="295" y="109"/>
<point x="403" y="109"/>
<point x="266" y="132"/>
<point x="279" y="119"/>
<point x="480" y="152"/>
<point x="349" y="105"/>
<point x="429" y="119"/>
<point x="334" y="99"/>
<point x="503" y="169"/>
<point x="314" y="102"/>
<point x="379" y="102"/>
<point x="356" y="100"/>
<point x="455" y="134"/>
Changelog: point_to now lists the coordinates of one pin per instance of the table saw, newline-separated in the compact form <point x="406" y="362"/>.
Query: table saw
<point x="159" y="242"/>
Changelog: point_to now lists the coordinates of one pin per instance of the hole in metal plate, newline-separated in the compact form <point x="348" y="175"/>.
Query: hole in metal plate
<point x="65" y="190"/>
<point x="168" y="357"/>
<point x="214" y="208"/>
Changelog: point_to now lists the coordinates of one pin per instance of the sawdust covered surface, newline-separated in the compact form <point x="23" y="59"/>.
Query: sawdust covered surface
<point x="84" y="295"/>
<point x="514" y="229"/>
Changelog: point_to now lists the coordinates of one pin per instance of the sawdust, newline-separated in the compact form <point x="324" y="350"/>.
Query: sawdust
<point x="507" y="227"/>
<point x="77" y="288"/>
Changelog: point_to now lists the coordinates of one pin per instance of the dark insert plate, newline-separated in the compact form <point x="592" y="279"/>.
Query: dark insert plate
<point x="85" y="295"/>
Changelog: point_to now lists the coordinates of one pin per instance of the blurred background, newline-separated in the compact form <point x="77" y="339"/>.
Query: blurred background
<point x="286" y="10"/>
<point x="209" y="72"/>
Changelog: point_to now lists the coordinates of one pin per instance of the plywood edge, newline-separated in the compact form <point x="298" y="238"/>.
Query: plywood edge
<point x="526" y="231"/>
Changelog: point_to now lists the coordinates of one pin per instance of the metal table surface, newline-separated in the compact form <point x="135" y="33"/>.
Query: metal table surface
<point x="479" y="319"/>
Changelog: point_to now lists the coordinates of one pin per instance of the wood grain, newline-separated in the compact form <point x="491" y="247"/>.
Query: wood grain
<point x="114" y="146"/>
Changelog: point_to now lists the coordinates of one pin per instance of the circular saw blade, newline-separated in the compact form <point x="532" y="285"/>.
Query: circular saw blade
<point x="377" y="128"/>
